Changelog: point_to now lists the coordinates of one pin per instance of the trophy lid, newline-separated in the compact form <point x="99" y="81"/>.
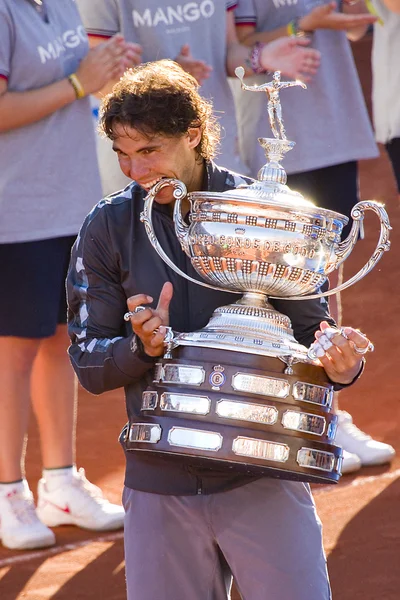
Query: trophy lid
<point x="270" y="189"/>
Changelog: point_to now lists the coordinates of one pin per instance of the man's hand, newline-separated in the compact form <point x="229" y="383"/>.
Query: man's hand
<point x="326" y="17"/>
<point x="292" y="57"/>
<point x="340" y="351"/>
<point x="149" y="324"/>
<point x="198" y="68"/>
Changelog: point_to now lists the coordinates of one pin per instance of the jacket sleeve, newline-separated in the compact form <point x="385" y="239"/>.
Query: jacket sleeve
<point x="102" y="352"/>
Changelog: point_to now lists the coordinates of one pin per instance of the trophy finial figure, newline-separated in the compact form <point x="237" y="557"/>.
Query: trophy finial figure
<point x="272" y="89"/>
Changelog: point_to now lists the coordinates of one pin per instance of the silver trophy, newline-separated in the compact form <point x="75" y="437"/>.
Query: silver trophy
<point x="242" y="393"/>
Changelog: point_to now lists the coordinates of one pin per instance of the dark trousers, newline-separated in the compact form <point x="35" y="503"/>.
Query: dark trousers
<point x="266" y="533"/>
<point x="393" y="149"/>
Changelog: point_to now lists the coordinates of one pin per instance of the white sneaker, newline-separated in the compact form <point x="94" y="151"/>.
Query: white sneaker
<point x="20" y="528"/>
<point x="350" y="463"/>
<point x="352" y="439"/>
<point x="70" y="499"/>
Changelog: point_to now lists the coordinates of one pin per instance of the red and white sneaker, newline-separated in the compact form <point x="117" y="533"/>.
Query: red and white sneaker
<point x="70" y="499"/>
<point x="20" y="528"/>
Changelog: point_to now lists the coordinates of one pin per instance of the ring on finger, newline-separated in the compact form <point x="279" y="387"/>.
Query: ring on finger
<point x="134" y="312"/>
<point x="343" y="333"/>
<point x="369" y="348"/>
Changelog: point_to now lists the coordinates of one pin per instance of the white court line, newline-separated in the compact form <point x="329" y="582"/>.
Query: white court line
<point x="356" y="482"/>
<point x="113" y="537"/>
<point x="27" y="556"/>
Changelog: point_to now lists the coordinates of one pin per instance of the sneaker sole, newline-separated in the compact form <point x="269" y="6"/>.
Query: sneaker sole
<point x="30" y="544"/>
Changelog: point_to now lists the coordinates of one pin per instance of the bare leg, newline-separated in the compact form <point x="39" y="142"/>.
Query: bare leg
<point x="16" y="360"/>
<point x="53" y="388"/>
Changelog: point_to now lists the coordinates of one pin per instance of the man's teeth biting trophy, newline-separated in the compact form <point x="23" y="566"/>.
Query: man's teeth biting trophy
<point x="242" y="393"/>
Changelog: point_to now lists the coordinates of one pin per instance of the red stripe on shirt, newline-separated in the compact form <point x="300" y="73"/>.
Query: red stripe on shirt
<point x="3" y="76"/>
<point x="97" y="35"/>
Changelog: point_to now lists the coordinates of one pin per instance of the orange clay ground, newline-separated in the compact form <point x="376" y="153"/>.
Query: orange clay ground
<point x="360" y="515"/>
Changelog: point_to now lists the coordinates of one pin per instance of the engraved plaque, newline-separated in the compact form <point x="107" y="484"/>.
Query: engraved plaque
<point x="184" y="374"/>
<point x="144" y="432"/>
<point x="259" y="384"/>
<point x="158" y="373"/>
<point x="198" y="405"/>
<point x="316" y="459"/>
<point x="306" y="422"/>
<point x="315" y="394"/>
<point x="149" y="400"/>
<point x="195" y="438"/>
<point x="245" y="446"/>
<point x="245" y="411"/>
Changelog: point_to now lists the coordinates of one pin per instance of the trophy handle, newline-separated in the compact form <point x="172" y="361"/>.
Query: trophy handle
<point x="345" y="248"/>
<point x="182" y="230"/>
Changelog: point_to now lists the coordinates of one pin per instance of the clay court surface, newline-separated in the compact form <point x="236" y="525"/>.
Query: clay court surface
<point x="360" y="514"/>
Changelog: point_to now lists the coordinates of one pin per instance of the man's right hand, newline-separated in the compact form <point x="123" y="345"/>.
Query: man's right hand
<point x="149" y="324"/>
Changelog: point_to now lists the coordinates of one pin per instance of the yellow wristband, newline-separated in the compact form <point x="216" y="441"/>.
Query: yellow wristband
<point x="76" y="84"/>
<point x="372" y="11"/>
<point x="291" y="29"/>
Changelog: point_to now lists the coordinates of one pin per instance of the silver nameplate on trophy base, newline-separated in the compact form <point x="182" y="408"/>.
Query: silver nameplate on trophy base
<point x="245" y="411"/>
<point x="144" y="432"/>
<point x="184" y="403"/>
<point x="259" y="384"/>
<point x="184" y="374"/>
<point x="316" y="459"/>
<point x="195" y="438"/>
<point x="299" y="421"/>
<point x="149" y="400"/>
<point x="245" y="446"/>
<point x="316" y="394"/>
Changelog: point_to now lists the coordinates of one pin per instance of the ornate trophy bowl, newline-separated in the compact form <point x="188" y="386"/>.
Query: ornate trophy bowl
<point x="242" y="393"/>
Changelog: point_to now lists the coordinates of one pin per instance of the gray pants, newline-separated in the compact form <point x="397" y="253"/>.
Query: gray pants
<point x="268" y="532"/>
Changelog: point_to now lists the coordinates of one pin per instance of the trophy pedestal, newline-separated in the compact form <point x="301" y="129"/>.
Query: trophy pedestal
<point x="218" y="410"/>
<point x="250" y="326"/>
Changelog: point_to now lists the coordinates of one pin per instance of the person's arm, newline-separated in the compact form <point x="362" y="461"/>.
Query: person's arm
<point x="104" y="351"/>
<point x="288" y="55"/>
<point x="393" y="5"/>
<point x="18" y="109"/>
<point x="353" y="20"/>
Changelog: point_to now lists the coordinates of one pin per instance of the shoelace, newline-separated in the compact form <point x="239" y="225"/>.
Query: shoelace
<point x="354" y="431"/>
<point x="23" y="508"/>
<point x="87" y="487"/>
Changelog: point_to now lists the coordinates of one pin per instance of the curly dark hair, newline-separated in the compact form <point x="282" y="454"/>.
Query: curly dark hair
<point x="160" y="98"/>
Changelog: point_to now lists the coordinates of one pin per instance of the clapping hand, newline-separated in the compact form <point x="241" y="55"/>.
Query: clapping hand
<point x="291" y="56"/>
<point x="198" y="68"/>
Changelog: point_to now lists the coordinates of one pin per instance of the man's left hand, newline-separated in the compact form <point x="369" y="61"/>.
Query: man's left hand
<point x="291" y="56"/>
<point x="340" y="351"/>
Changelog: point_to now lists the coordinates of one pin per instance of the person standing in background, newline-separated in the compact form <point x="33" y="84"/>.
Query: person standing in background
<point x="386" y="80"/>
<point x="48" y="181"/>
<point x="201" y="37"/>
<point x="330" y="125"/>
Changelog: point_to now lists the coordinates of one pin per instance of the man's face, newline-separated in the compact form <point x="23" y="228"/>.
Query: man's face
<point x="148" y="159"/>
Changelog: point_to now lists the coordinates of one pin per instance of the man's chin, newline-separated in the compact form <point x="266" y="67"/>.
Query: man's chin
<point x="165" y="196"/>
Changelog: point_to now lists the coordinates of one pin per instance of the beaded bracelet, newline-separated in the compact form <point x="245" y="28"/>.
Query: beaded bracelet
<point x="255" y="58"/>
